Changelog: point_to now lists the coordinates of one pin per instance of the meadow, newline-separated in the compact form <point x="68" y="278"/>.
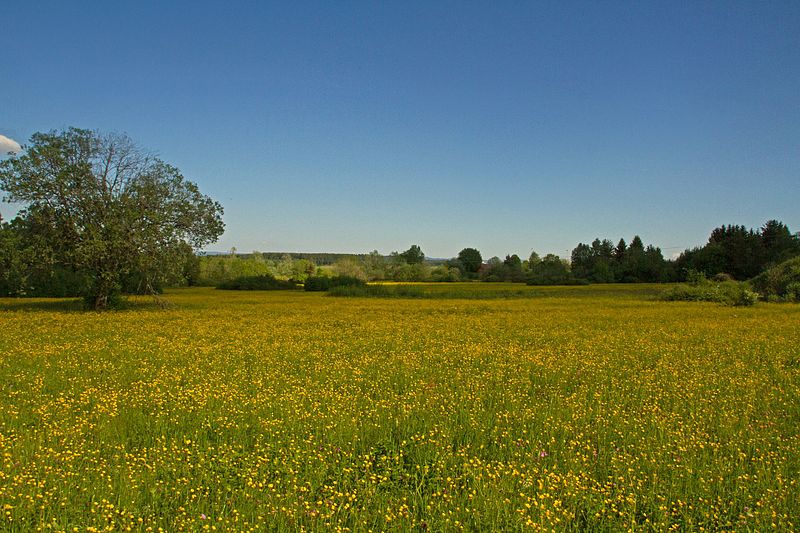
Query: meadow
<point x="592" y="408"/>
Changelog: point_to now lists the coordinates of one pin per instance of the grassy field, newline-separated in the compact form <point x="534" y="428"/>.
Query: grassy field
<point x="575" y="409"/>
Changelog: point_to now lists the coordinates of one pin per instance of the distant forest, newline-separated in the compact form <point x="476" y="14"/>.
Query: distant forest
<point x="732" y="251"/>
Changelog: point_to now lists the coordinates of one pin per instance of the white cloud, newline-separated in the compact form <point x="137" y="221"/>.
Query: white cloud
<point x="8" y="145"/>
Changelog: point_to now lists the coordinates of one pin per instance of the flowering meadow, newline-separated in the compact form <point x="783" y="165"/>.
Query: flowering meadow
<point x="592" y="408"/>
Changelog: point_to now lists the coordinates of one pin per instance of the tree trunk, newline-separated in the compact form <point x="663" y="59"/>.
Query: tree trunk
<point x="101" y="302"/>
<point x="103" y="289"/>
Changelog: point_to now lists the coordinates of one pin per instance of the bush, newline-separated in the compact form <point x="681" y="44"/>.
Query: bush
<point x="264" y="282"/>
<point x="727" y="293"/>
<point x="780" y="283"/>
<point x="722" y="276"/>
<point x="444" y="273"/>
<point x="317" y="283"/>
<point x="323" y="283"/>
<point x="695" y="276"/>
<point x="745" y="297"/>
<point x="792" y="293"/>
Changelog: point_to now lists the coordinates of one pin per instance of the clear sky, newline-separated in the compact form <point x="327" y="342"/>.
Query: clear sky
<point x="505" y="126"/>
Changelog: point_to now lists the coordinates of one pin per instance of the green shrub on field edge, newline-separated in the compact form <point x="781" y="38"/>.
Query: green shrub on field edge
<point x="264" y="282"/>
<point x="780" y="283"/>
<point x="725" y="292"/>
<point x="317" y="283"/>
<point x="324" y="283"/>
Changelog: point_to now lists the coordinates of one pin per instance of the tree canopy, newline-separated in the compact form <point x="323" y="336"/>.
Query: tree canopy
<point x="470" y="259"/>
<point x="602" y="262"/>
<point x="741" y="252"/>
<point x="105" y="209"/>
<point x="413" y="256"/>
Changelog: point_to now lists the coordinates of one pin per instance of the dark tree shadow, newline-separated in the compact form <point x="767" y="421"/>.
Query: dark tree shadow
<point x="23" y="304"/>
<point x="73" y="305"/>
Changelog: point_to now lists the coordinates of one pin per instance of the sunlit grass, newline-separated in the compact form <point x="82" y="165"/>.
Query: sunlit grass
<point x="587" y="408"/>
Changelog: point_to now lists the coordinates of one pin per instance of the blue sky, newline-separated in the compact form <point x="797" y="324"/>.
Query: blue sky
<point x="505" y="126"/>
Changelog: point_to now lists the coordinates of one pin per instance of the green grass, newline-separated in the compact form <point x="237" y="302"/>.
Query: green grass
<point x="593" y="408"/>
<point x="490" y="291"/>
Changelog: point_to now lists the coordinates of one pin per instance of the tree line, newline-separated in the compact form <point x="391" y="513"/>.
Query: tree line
<point x="731" y="252"/>
<point x="102" y="218"/>
<point x="740" y="252"/>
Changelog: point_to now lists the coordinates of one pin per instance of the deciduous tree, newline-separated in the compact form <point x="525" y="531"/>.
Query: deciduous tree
<point x="470" y="259"/>
<point x="413" y="256"/>
<point x="104" y="208"/>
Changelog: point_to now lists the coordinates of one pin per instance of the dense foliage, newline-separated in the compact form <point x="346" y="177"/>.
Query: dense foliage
<point x="781" y="282"/>
<point x="550" y="270"/>
<point x="413" y="255"/>
<point x="326" y="283"/>
<point x="602" y="262"/>
<point x="99" y="208"/>
<point x="216" y="269"/>
<point x="743" y="253"/>
<point x="469" y="260"/>
<point x="264" y="282"/>
<point x="722" y="291"/>
<point x="316" y="258"/>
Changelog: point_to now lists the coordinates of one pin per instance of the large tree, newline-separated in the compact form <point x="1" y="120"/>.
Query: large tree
<point x="104" y="208"/>
<point x="470" y="259"/>
<point x="413" y="256"/>
<point x="779" y="243"/>
<point x="551" y="270"/>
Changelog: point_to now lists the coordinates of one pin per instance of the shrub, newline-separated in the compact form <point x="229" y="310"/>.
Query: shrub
<point x="727" y="293"/>
<point x="347" y="281"/>
<point x="792" y="293"/>
<point x="323" y="283"/>
<point x="264" y="282"/>
<point x="745" y="297"/>
<point x="317" y="283"/>
<point x="695" y="276"/>
<point x="781" y="282"/>
<point x="444" y="273"/>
